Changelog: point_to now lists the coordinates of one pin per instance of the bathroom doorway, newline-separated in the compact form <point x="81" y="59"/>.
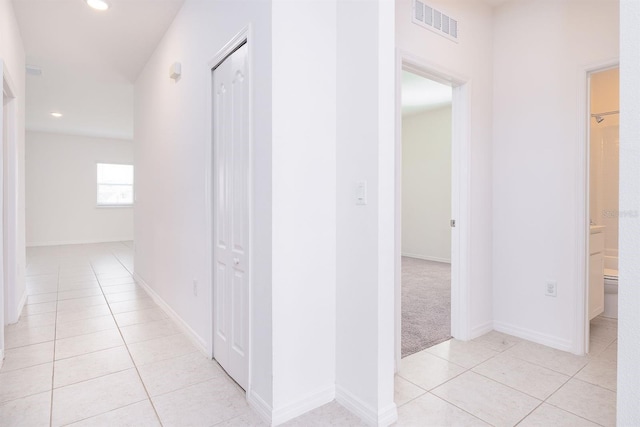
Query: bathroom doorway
<point x="425" y="212"/>
<point x="603" y="211"/>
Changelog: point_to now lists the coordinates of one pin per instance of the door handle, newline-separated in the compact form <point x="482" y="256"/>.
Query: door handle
<point x="236" y="261"/>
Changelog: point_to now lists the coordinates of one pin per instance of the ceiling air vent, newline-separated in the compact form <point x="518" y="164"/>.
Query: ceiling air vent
<point x="434" y="20"/>
<point x="34" y="70"/>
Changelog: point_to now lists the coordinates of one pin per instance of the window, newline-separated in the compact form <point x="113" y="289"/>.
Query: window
<point x="115" y="185"/>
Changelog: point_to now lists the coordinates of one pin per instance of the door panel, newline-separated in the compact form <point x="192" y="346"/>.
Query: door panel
<point x="239" y="338"/>
<point x="231" y="165"/>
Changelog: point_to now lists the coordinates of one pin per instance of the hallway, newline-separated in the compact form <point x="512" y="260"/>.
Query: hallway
<point x="91" y="348"/>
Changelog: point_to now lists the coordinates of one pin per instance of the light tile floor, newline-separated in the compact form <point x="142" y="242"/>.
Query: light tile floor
<point x="92" y="349"/>
<point x="501" y="380"/>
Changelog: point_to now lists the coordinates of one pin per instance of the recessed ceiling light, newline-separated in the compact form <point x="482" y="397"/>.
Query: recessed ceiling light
<point x="56" y="114"/>
<point x="98" y="4"/>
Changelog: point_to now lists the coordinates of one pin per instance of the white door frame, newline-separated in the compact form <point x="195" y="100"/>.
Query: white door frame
<point x="243" y="37"/>
<point x="582" y="327"/>
<point x="460" y="194"/>
<point x="8" y="233"/>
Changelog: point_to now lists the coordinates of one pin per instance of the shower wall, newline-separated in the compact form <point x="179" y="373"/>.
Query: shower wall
<point x="604" y="161"/>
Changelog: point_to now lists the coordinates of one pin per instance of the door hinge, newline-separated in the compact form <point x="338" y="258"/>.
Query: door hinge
<point x="453" y="223"/>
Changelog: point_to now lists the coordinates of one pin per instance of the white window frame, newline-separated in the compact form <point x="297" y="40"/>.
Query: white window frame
<point x="114" y="205"/>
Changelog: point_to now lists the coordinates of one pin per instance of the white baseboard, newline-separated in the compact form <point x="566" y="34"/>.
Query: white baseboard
<point x="77" y="242"/>
<point x="388" y="416"/>
<point x="481" y="329"/>
<point x="190" y="333"/>
<point x="427" y="258"/>
<point x="21" y="303"/>
<point x="260" y="406"/>
<point x="307" y="403"/>
<point x="385" y="417"/>
<point x="537" y="337"/>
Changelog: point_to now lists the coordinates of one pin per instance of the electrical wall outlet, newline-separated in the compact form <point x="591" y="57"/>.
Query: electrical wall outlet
<point x="551" y="289"/>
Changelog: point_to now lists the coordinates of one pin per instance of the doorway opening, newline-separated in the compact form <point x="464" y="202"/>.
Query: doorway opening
<point x="426" y="212"/>
<point x="602" y="194"/>
<point x="459" y="194"/>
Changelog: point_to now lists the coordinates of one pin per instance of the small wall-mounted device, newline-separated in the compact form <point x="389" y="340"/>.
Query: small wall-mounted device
<point x="175" y="71"/>
<point x="552" y="288"/>
<point x="361" y="193"/>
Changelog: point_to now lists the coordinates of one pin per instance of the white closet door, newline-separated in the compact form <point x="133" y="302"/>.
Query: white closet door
<point x="231" y="171"/>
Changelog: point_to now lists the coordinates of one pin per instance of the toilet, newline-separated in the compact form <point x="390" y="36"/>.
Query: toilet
<point x="610" y="293"/>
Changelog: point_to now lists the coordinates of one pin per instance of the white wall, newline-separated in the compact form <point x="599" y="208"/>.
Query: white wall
<point x="13" y="59"/>
<point x="326" y="342"/>
<point x="426" y="185"/>
<point x="304" y="205"/>
<point x="61" y="190"/>
<point x="295" y="277"/>
<point x="365" y="234"/>
<point x="628" y="289"/>
<point x="295" y="354"/>
<point x="471" y="59"/>
<point x="171" y="136"/>
<point x="537" y="160"/>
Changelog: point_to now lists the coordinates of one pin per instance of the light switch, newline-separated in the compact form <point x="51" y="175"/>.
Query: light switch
<point x="361" y="193"/>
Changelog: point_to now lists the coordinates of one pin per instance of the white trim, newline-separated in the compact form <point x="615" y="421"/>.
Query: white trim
<point x="534" y="336"/>
<point x="10" y="259"/>
<point x="482" y="329"/>
<point x="427" y="258"/>
<point x="303" y="405"/>
<point x="388" y="415"/>
<point x="186" y="329"/>
<point x="386" y="94"/>
<point x="581" y="328"/>
<point x="369" y="415"/>
<point x="461" y="211"/>
<point x="244" y="36"/>
<point x="21" y="304"/>
<point x="260" y="406"/>
<point x="460" y="193"/>
<point x="78" y="242"/>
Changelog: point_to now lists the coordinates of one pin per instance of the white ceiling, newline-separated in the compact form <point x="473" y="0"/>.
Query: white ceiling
<point x="420" y="94"/>
<point x="89" y="61"/>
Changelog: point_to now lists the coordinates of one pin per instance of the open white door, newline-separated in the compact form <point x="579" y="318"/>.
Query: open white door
<point x="231" y="179"/>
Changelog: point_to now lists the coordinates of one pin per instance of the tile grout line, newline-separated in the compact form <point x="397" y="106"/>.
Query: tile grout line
<point x="579" y="416"/>
<point x="223" y="371"/>
<point x="545" y="400"/>
<point x="135" y="365"/>
<point x="53" y="362"/>
<point x="456" y="406"/>
<point x="572" y="377"/>
<point x="472" y="371"/>
<point x="92" y="416"/>
<point x="429" y="391"/>
<point x="542" y="401"/>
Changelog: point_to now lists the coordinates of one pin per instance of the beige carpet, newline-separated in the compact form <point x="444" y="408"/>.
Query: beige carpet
<point x="426" y="304"/>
